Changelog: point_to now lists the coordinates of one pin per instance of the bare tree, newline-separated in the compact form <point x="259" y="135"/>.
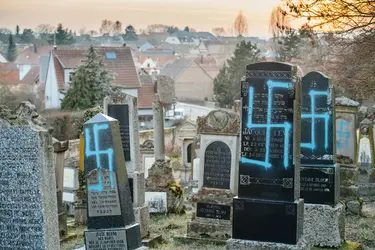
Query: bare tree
<point x="45" y="28"/>
<point x="106" y="27"/>
<point x="218" y="31"/>
<point x="117" y="28"/>
<point x="93" y="33"/>
<point x="82" y="31"/>
<point x="338" y="15"/>
<point x="240" y="24"/>
<point x="5" y="31"/>
<point x="157" y="28"/>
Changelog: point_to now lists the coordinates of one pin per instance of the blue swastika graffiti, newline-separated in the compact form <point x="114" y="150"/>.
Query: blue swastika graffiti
<point x="343" y="135"/>
<point x="269" y="125"/>
<point x="314" y="116"/>
<point x="97" y="152"/>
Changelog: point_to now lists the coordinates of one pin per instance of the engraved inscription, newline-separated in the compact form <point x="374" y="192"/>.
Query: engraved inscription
<point x="213" y="211"/>
<point x="106" y="202"/>
<point x="106" y="239"/>
<point x="217" y="166"/>
<point x="21" y="204"/>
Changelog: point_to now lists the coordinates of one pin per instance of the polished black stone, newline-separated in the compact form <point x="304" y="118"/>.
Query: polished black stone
<point x="266" y="220"/>
<point x="121" y="113"/>
<point x="213" y="211"/>
<point x="320" y="184"/>
<point x="131" y="188"/>
<point x="217" y="166"/>
<point x="266" y="168"/>
<point x="317" y="121"/>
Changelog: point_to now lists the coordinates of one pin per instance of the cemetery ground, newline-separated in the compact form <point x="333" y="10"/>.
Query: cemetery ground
<point x="359" y="229"/>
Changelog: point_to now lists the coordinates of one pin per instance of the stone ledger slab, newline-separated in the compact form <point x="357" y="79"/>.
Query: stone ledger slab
<point x="234" y="244"/>
<point x="324" y="225"/>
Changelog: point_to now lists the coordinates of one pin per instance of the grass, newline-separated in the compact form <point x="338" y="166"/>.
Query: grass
<point x="76" y="242"/>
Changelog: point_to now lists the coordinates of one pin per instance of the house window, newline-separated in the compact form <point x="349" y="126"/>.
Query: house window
<point x="148" y="65"/>
<point x="110" y="55"/>
<point x="71" y="76"/>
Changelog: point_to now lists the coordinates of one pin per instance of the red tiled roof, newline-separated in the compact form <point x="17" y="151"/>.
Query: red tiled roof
<point x="123" y="65"/>
<point x="59" y="73"/>
<point x="146" y="94"/>
<point x="32" y="76"/>
<point x="9" y="73"/>
<point x="29" y="57"/>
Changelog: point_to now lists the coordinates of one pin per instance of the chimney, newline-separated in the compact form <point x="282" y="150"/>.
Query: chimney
<point x="35" y="48"/>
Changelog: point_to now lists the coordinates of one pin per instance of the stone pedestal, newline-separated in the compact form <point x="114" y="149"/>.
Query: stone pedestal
<point x="212" y="214"/>
<point x="324" y="225"/>
<point x="234" y="244"/>
<point x="349" y="181"/>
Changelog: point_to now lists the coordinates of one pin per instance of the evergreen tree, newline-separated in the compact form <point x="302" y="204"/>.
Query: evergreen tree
<point x="290" y="45"/>
<point x="172" y="29"/>
<point x="227" y="85"/>
<point x="63" y="36"/>
<point x="91" y="83"/>
<point x="17" y="30"/>
<point x="130" y="34"/>
<point x="187" y="29"/>
<point x="12" y="52"/>
<point x="27" y="36"/>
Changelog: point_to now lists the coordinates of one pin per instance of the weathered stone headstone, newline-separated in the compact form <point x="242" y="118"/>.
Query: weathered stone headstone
<point x="28" y="207"/>
<point x="111" y="223"/>
<point x="346" y="145"/>
<point x="124" y="108"/>
<point x="324" y="223"/>
<point x="319" y="174"/>
<point x="147" y="153"/>
<point x="218" y="157"/>
<point x="268" y="214"/>
<point x="59" y="149"/>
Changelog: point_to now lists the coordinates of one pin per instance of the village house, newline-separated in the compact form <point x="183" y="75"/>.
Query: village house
<point x="191" y="82"/>
<point x="3" y="58"/>
<point x="185" y="37"/>
<point x="152" y="62"/>
<point x="63" y="63"/>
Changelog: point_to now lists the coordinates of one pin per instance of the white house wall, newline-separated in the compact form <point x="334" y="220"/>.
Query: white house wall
<point x="172" y="40"/>
<point x="51" y="94"/>
<point x="132" y="92"/>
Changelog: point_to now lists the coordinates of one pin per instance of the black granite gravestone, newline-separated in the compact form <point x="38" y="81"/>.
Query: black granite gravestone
<point x="121" y="113"/>
<point x="213" y="211"/>
<point x="108" y="193"/>
<point x="319" y="175"/>
<point x="317" y="139"/>
<point x="217" y="166"/>
<point x="268" y="207"/>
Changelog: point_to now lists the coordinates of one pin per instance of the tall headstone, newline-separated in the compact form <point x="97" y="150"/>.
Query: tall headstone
<point x="346" y="145"/>
<point x="324" y="223"/>
<point x="28" y="202"/>
<point x="218" y="158"/>
<point x="124" y="108"/>
<point x="111" y="223"/>
<point x="59" y="149"/>
<point x="268" y="213"/>
<point x="366" y="158"/>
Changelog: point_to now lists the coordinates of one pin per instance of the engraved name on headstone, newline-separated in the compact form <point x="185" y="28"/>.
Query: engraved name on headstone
<point x="106" y="239"/>
<point x="213" y="211"/>
<point x="24" y="215"/>
<point x="121" y="113"/>
<point x="217" y="166"/>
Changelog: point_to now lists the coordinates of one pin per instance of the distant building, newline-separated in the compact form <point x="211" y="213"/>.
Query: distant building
<point x="191" y="82"/>
<point x="153" y="62"/>
<point x="3" y="58"/>
<point x="185" y="37"/>
<point x="63" y="63"/>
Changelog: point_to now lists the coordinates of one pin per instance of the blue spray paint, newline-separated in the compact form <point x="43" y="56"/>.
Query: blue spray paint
<point x="343" y="135"/>
<point x="97" y="153"/>
<point x="268" y="126"/>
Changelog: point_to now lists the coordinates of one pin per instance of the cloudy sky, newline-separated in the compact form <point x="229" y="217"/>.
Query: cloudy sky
<point x="75" y="14"/>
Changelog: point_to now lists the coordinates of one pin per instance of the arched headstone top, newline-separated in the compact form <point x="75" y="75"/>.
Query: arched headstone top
<point x="148" y="145"/>
<point x="219" y="122"/>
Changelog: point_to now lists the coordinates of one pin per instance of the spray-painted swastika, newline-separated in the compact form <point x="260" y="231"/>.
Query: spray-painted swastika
<point x="343" y="135"/>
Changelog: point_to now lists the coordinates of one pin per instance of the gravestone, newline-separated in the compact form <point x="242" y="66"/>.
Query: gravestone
<point x="124" y="108"/>
<point x="111" y="223"/>
<point x="59" y="149"/>
<point x="366" y="158"/>
<point x="268" y="214"/>
<point x="29" y="214"/>
<point x="324" y="223"/>
<point x="346" y="145"/>
<point x="319" y="174"/>
<point x="148" y="158"/>
<point x="218" y="134"/>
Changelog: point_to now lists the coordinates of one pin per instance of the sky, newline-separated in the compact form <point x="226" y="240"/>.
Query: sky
<point x="199" y="14"/>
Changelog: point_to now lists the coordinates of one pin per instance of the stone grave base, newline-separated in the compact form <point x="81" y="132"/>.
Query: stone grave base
<point x="235" y="244"/>
<point x="142" y="217"/>
<point x="210" y="228"/>
<point x="324" y="225"/>
<point x="348" y="180"/>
